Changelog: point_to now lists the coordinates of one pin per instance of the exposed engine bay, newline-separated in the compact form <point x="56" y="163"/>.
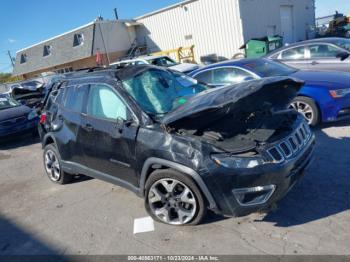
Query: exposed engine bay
<point x="253" y="118"/>
<point x="245" y="131"/>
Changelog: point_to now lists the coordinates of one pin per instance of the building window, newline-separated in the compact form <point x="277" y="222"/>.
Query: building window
<point x="78" y="39"/>
<point x="23" y="58"/>
<point x="47" y="50"/>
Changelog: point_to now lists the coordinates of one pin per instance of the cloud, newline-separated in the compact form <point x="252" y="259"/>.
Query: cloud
<point x="11" y="40"/>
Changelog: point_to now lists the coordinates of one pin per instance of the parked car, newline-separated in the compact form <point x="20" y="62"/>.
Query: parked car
<point x="29" y="93"/>
<point x="15" y="118"/>
<point x="317" y="54"/>
<point x="325" y="97"/>
<point x="165" y="61"/>
<point x="180" y="146"/>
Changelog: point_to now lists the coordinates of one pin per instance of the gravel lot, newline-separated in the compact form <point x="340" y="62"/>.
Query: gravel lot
<point x="94" y="217"/>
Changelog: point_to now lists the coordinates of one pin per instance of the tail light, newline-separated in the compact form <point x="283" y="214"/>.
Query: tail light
<point x="43" y="118"/>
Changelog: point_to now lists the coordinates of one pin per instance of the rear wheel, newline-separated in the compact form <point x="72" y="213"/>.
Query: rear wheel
<point x="173" y="198"/>
<point x="52" y="164"/>
<point x="307" y="107"/>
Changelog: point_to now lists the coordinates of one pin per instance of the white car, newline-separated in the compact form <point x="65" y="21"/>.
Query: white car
<point x="165" y="61"/>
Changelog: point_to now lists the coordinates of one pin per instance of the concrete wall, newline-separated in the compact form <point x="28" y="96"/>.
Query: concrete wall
<point x="213" y="26"/>
<point x="259" y="17"/>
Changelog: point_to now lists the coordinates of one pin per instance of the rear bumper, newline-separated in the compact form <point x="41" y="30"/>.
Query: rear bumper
<point x="265" y="185"/>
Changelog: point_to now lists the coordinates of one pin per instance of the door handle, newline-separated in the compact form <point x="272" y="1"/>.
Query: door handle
<point x="88" y="127"/>
<point x="314" y="63"/>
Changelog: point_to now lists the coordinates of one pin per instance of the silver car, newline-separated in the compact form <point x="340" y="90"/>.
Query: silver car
<point x="317" y="54"/>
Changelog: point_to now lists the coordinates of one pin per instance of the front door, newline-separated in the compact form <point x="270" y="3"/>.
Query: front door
<point x="110" y="132"/>
<point x="287" y="28"/>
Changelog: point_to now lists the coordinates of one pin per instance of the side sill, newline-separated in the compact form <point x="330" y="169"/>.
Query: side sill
<point x="75" y="168"/>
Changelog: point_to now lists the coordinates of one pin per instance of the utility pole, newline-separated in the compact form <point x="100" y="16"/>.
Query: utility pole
<point x="11" y="59"/>
<point x="115" y="13"/>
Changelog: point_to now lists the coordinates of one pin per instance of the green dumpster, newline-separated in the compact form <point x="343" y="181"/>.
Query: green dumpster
<point x="258" y="47"/>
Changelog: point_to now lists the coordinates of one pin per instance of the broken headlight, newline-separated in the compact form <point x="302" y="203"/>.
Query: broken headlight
<point x="234" y="161"/>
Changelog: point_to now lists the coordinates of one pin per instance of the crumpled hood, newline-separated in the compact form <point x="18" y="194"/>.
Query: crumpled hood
<point x="185" y="67"/>
<point x="329" y="79"/>
<point x="272" y="92"/>
<point x="14" y="112"/>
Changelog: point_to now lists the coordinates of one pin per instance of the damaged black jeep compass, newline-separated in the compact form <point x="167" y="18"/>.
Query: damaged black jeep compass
<point x="183" y="147"/>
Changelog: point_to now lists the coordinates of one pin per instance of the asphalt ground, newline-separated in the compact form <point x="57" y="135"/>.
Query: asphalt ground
<point x="90" y="216"/>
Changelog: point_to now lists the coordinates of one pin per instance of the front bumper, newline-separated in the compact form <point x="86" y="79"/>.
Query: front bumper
<point x="243" y="191"/>
<point x="27" y="126"/>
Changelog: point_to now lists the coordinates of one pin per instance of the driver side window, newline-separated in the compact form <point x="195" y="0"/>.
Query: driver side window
<point x="104" y="103"/>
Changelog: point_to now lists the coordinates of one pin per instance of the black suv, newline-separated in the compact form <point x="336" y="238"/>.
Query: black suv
<point x="183" y="147"/>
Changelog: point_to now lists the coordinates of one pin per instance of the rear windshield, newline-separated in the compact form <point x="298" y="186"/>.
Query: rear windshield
<point x="162" y="61"/>
<point x="267" y="68"/>
<point x="7" y="102"/>
<point x="158" y="92"/>
<point x="344" y="43"/>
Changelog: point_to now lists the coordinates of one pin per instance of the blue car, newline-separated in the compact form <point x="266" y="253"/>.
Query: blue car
<point x="325" y="97"/>
<point x="15" y="117"/>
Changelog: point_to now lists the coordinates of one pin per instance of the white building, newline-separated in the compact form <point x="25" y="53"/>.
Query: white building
<point x="221" y="27"/>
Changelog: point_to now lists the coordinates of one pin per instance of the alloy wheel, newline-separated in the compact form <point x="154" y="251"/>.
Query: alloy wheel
<point x="52" y="165"/>
<point x="172" y="201"/>
<point x="305" y="109"/>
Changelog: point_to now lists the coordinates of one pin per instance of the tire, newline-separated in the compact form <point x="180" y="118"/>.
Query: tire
<point x="170" y="205"/>
<point x="308" y="108"/>
<point x="54" y="169"/>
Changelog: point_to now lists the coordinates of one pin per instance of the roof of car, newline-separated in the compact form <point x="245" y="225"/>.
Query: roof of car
<point x="149" y="57"/>
<point x="119" y="73"/>
<point x="233" y="62"/>
<point x="316" y="40"/>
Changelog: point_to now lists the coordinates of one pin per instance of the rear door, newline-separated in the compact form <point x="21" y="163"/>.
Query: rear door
<point x="295" y="57"/>
<point x="109" y="131"/>
<point x="68" y="121"/>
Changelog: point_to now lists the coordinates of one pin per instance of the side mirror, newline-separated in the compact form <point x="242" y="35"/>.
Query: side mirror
<point x="343" y="55"/>
<point x="122" y="122"/>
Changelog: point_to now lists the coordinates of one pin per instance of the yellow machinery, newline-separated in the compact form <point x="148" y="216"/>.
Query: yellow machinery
<point x="339" y="26"/>
<point x="182" y="54"/>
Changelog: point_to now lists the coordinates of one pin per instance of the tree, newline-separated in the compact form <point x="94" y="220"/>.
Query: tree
<point x="7" y="77"/>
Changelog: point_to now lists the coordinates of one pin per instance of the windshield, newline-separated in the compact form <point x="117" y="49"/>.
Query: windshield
<point x="162" y="61"/>
<point x="7" y="102"/>
<point x="344" y="43"/>
<point x="266" y="68"/>
<point x="158" y="91"/>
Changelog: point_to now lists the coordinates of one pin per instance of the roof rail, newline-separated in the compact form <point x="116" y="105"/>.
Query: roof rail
<point x="90" y="69"/>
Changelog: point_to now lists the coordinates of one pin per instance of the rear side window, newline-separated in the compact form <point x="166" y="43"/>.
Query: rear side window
<point x="75" y="97"/>
<point x="105" y="103"/>
<point x="294" y="53"/>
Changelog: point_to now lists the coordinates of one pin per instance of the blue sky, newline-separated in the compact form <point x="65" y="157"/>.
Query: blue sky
<point x="25" y="22"/>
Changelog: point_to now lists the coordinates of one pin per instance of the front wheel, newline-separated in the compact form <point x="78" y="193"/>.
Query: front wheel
<point x="307" y="107"/>
<point x="173" y="198"/>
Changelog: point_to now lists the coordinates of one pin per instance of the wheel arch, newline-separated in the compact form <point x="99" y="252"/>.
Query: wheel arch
<point x="153" y="163"/>
<point x="48" y="139"/>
